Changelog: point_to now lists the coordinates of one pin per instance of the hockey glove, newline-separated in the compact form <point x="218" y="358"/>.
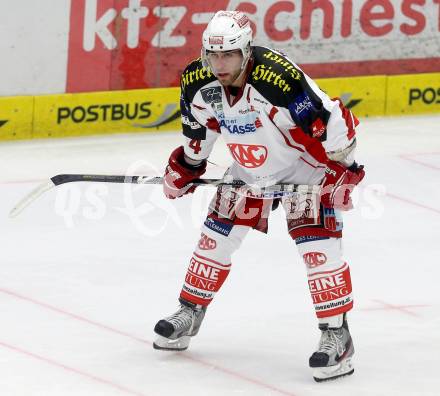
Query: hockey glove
<point x="338" y="183"/>
<point x="179" y="175"/>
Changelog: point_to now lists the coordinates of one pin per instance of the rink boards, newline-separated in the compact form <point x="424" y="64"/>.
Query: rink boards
<point x="26" y="117"/>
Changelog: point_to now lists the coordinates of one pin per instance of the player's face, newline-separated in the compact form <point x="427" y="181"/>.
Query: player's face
<point x="226" y="65"/>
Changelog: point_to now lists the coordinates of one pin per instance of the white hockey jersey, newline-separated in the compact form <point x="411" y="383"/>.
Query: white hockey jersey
<point x="278" y="127"/>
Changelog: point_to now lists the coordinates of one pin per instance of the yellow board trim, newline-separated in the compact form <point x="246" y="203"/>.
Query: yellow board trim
<point x="365" y="96"/>
<point x="158" y="109"/>
<point x="106" y="112"/>
<point x="413" y="94"/>
<point x="16" y="117"/>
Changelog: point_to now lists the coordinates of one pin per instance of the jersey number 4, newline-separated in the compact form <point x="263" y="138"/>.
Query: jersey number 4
<point x="195" y="144"/>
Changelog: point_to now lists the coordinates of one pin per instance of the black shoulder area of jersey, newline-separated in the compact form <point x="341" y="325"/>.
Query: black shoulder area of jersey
<point x="194" y="77"/>
<point x="274" y="75"/>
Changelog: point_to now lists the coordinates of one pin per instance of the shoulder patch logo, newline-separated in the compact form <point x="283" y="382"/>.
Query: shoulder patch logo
<point x="211" y="95"/>
<point x="318" y="128"/>
<point x="303" y="104"/>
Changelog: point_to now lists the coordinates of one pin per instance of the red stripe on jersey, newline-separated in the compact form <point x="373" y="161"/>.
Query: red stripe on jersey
<point x="272" y="113"/>
<point x="313" y="166"/>
<point x="288" y="142"/>
<point x="213" y="124"/>
<point x="351" y="135"/>
<point x="350" y="120"/>
<point x="312" y="146"/>
<point x="356" y="121"/>
<point x="199" y="107"/>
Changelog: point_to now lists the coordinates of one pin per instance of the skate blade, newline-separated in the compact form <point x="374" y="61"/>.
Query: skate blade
<point x="165" y="344"/>
<point x="343" y="369"/>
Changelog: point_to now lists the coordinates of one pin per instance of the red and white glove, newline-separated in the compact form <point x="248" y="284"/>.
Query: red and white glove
<point x="338" y="183"/>
<point x="179" y="175"/>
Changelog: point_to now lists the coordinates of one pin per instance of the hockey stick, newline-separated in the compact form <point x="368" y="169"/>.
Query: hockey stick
<point x="268" y="192"/>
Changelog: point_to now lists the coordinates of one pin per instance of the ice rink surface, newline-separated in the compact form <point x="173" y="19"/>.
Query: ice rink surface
<point x="88" y="269"/>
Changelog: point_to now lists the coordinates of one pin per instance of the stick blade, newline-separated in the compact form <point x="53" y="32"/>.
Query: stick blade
<point x="31" y="197"/>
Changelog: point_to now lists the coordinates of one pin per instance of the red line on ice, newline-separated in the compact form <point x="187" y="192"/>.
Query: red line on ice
<point x="412" y="202"/>
<point x="406" y="200"/>
<point x="409" y="157"/>
<point x="390" y="307"/>
<point x="71" y="369"/>
<point x="144" y="341"/>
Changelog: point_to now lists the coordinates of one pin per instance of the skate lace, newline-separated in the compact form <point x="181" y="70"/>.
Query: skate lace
<point x="182" y="319"/>
<point x="331" y="341"/>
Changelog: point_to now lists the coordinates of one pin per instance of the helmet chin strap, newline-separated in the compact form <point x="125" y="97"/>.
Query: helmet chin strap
<point x="243" y="64"/>
<point x="246" y="57"/>
<point x="242" y="70"/>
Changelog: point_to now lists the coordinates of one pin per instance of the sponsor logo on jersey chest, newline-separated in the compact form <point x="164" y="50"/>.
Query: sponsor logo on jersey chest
<point x="237" y="129"/>
<point x="248" y="155"/>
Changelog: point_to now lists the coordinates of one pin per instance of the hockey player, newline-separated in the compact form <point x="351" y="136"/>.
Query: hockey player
<point x="280" y="128"/>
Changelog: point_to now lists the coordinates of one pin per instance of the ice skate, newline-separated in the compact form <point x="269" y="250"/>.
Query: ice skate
<point x="175" y="331"/>
<point x="333" y="359"/>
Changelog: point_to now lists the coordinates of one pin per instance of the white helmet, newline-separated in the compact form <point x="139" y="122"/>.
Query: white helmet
<point x="227" y="31"/>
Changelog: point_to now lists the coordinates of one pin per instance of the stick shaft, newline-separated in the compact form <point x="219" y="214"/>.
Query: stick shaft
<point x="69" y="178"/>
<point x="275" y="191"/>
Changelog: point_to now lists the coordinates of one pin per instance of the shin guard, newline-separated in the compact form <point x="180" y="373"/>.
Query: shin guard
<point x="328" y="276"/>
<point x="211" y="261"/>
